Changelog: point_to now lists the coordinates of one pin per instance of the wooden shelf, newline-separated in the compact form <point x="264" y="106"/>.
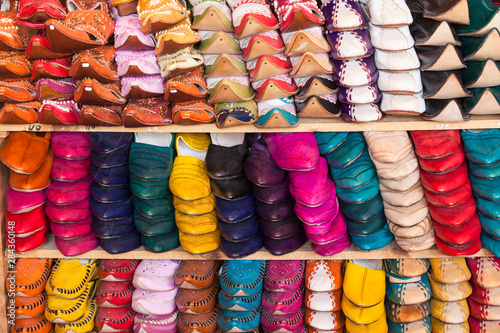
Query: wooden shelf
<point x="391" y="251"/>
<point x="389" y="123"/>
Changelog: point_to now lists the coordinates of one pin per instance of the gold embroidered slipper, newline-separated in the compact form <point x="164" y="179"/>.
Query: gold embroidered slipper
<point x="251" y="17"/>
<point x="92" y="92"/>
<point x="186" y="87"/>
<point x="69" y="278"/>
<point x="157" y="15"/>
<point x="218" y="42"/>
<point x="308" y="40"/>
<point x="175" y="38"/>
<point x="63" y="310"/>
<point x="179" y="62"/>
<point x="11" y="36"/>
<point x="231" y="89"/>
<point x="192" y="112"/>
<point x="17" y="90"/>
<point x="231" y="114"/>
<point x="84" y="324"/>
<point x="98" y="63"/>
<point x="310" y="64"/>
<point x="213" y="15"/>
<point x="14" y="65"/>
<point x="20" y="113"/>
<point x="224" y="65"/>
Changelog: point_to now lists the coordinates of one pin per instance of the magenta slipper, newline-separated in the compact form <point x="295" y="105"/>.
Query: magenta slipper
<point x="294" y="151"/>
<point x="78" y="245"/>
<point x="312" y="188"/>
<point x="332" y="248"/>
<point x="17" y="202"/>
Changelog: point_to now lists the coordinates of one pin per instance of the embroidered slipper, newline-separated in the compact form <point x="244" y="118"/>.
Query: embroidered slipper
<point x="197" y="274"/>
<point x="80" y="30"/>
<point x="39" y="12"/>
<point x="55" y="89"/>
<point x="136" y="63"/>
<point x="324" y="106"/>
<point x="429" y="32"/>
<point x="32" y="276"/>
<point x="251" y="17"/>
<point x="96" y="115"/>
<point x="65" y="310"/>
<point x="147" y="112"/>
<point x="81" y="273"/>
<point x="350" y="44"/>
<point x="34" y="324"/>
<point x="202" y="323"/>
<point x="297" y="15"/>
<point x="224" y="65"/>
<point x="16" y="91"/>
<point x="274" y="87"/>
<point x="192" y="111"/>
<point x="28" y="307"/>
<point x="129" y="35"/>
<point x="444" y="85"/>
<point x="125" y="7"/>
<point x="11" y="38"/>
<point x="212" y="15"/>
<point x="235" y="89"/>
<point x="166" y="323"/>
<point x="268" y="65"/>
<point x="59" y="112"/>
<point x="97" y="63"/>
<point x="20" y="113"/>
<point x="440" y="58"/>
<point x="265" y="43"/>
<point x="50" y="68"/>
<point x="197" y="301"/>
<point x="277" y="113"/>
<point x="218" y="42"/>
<point x="90" y="91"/>
<point x="84" y="324"/>
<point x="159" y="15"/>
<point x="307" y="40"/>
<point x="481" y="48"/>
<point x="114" y="319"/>
<point x="142" y="86"/>
<point x="117" y="269"/>
<point x="186" y="87"/>
<point x="182" y="61"/>
<point x="343" y="15"/>
<point x="176" y="38"/>
<point x="14" y="65"/>
<point x="230" y="114"/>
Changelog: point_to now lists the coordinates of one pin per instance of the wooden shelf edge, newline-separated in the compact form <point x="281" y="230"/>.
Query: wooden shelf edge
<point x="389" y="123"/>
<point x="391" y="251"/>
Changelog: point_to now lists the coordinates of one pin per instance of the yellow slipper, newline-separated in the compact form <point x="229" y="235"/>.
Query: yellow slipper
<point x="192" y="144"/>
<point x="450" y="292"/>
<point x="70" y="277"/>
<point x="197" y="207"/>
<point x="196" y="224"/>
<point x="364" y="282"/>
<point x="197" y="244"/>
<point x="450" y="270"/>
<point x="84" y="325"/>
<point x="362" y="316"/>
<point x="376" y="327"/>
<point x="62" y="311"/>
<point x="189" y="179"/>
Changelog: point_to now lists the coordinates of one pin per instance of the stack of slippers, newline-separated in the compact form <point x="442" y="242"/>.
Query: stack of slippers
<point x="110" y="194"/>
<point x="150" y="163"/>
<point x="449" y="279"/>
<point x="364" y="295"/>
<point x="71" y="289"/>
<point x="479" y="40"/>
<point x="194" y="201"/>
<point x="444" y="176"/>
<point x="262" y="48"/>
<point x="68" y="195"/>
<point x="224" y="64"/>
<point x="153" y="299"/>
<point x="236" y="218"/>
<point x="241" y="283"/>
<point x="139" y="71"/>
<point x="323" y="285"/>
<point x="395" y="57"/>
<point x="114" y="295"/>
<point x="301" y="25"/>
<point x="316" y="203"/>
<point x="442" y="63"/>
<point x="353" y="60"/>
<point x="27" y="286"/>
<point x="29" y="158"/>
<point x="198" y="283"/>
<point x="404" y="203"/>
<point x="407" y="296"/>
<point x="357" y="187"/>
<point x="282" y="230"/>
<point x="481" y="151"/>
<point x="283" y="296"/>
<point x="484" y="302"/>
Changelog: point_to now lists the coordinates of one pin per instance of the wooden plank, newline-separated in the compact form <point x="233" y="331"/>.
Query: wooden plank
<point x="391" y="251"/>
<point x="389" y="123"/>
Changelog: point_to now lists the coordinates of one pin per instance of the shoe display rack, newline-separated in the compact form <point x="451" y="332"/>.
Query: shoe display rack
<point x="389" y="123"/>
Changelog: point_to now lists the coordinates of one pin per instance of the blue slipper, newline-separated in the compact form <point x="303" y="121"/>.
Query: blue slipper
<point x="373" y="241"/>
<point x="329" y="141"/>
